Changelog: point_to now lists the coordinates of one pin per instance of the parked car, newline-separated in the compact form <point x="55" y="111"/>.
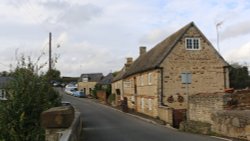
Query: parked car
<point x="63" y="84"/>
<point x="56" y="84"/>
<point x="65" y="103"/>
<point x="70" y="85"/>
<point x="79" y="94"/>
<point x="70" y="90"/>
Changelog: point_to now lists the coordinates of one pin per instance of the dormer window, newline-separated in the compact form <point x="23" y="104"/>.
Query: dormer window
<point x="193" y="44"/>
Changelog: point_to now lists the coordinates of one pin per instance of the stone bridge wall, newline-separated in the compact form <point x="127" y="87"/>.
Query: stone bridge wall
<point x="62" y="124"/>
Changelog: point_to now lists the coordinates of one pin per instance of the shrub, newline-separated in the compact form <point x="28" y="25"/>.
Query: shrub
<point x="111" y="98"/>
<point x="28" y="95"/>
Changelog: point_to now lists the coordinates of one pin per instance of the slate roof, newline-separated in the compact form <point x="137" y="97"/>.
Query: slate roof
<point x="107" y="79"/>
<point x="154" y="57"/>
<point x="92" y="77"/>
<point x="4" y="81"/>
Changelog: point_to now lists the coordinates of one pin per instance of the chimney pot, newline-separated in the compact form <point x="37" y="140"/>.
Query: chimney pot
<point x="129" y="60"/>
<point x="143" y="50"/>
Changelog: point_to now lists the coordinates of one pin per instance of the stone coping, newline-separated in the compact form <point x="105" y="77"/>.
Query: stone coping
<point x="74" y="131"/>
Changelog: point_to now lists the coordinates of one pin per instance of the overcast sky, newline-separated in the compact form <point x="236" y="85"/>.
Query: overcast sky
<point x="97" y="35"/>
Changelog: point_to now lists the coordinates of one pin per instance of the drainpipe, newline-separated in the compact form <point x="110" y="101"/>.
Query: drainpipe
<point x="162" y="86"/>
<point x="226" y="76"/>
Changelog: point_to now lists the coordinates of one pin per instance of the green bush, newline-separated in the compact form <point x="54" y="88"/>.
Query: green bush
<point x="111" y="98"/>
<point x="28" y="96"/>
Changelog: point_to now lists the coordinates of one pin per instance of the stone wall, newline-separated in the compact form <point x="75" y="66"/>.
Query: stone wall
<point x="142" y="91"/>
<point x="62" y="124"/>
<point x="117" y="89"/>
<point x="202" y="105"/>
<point x="165" y="114"/>
<point x="101" y="95"/>
<point x="239" y="100"/>
<point x="147" y="105"/>
<point x="234" y="123"/>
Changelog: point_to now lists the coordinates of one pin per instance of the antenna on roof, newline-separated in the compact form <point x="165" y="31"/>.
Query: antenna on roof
<point x="218" y="25"/>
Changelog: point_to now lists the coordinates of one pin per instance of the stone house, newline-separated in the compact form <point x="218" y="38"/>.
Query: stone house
<point x="117" y="82"/>
<point x="159" y="81"/>
<point x="87" y="82"/>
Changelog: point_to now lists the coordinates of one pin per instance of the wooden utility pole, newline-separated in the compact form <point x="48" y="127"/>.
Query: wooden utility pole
<point x="50" y="61"/>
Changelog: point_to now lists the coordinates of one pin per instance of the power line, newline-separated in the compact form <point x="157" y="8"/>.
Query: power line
<point x="5" y="65"/>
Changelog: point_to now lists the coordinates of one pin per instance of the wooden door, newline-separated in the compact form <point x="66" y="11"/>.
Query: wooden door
<point x="179" y="115"/>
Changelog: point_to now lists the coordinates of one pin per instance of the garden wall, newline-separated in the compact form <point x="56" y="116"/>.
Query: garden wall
<point x="202" y="105"/>
<point x="233" y="123"/>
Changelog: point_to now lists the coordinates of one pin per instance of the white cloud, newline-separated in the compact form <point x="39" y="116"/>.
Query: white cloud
<point x="85" y="57"/>
<point x="240" y="54"/>
<point x="235" y="30"/>
<point x="97" y="36"/>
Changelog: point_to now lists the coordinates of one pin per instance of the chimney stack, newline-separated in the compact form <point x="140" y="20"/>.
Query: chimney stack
<point x="129" y="60"/>
<point x="143" y="50"/>
<point x="128" y="63"/>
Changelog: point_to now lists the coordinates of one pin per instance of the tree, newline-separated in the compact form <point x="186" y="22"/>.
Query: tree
<point x="4" y="73"/>
<point x="28" y="95"/>
<point x="238" y="76"/>
<point x="53" y="74"/>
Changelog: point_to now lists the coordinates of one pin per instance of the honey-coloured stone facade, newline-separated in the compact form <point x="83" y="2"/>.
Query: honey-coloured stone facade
<point x="86" y="87"/>
<point x="154" y="82"/>
<point x="207" y="69"/>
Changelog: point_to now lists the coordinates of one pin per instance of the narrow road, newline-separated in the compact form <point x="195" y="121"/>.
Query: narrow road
<point x="102" y="123"/>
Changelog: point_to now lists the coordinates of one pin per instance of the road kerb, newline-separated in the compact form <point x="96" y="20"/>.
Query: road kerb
<point x="221" y="138"/>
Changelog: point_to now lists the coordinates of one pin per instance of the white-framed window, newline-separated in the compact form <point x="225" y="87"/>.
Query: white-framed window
<point x="149" y="104"/>
<point x="192" y="43"/>
<point x="149" y="78"/>
<point x="142" y="80"/>
<point x="2" y="94"/>
<point x="133" y="99"/>
<point x="127" y="84"/>
<point x="142" y="104"/>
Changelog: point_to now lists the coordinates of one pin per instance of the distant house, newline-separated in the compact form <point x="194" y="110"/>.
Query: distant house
<point x="88" y="81"/>
<point x="159" y="81"/>
<point x="3" y="85"/>
<point x="106" y="81"/>
<point x="118" y="82"/>
<point x="105" y="87"/>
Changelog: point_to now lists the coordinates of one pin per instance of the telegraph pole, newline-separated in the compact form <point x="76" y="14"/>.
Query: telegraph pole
<point x="50" y="61"/>
<point x="218" y="36"/>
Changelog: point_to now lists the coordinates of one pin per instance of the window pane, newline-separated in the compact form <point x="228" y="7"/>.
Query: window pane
<point x="196" y="43"/>
<point x="149" y="78"/>
<point x="142" y="103"/>
<point x="150" y="104"/>
<point x="189" y="43"/>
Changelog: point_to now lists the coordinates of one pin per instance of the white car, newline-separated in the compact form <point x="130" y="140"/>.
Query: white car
<point x="70" y="90"/>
